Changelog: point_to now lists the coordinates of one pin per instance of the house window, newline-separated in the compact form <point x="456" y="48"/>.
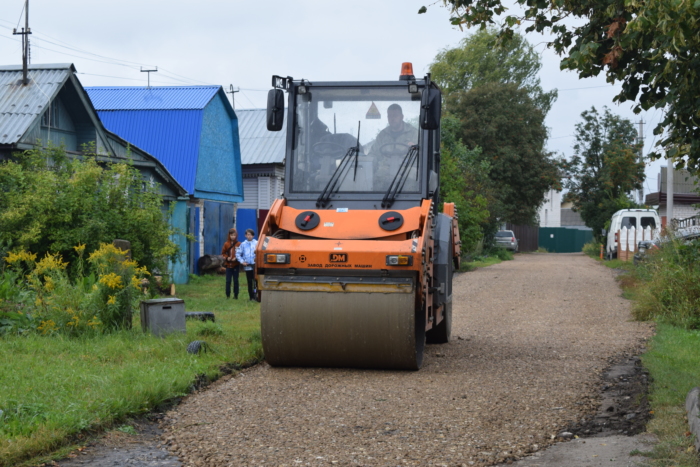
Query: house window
<point x="51" y="116"/>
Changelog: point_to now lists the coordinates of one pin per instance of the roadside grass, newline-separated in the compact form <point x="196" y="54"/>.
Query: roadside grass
<point x="493" y="256"/>
<point x="673" y="362"/>
<point x="55" y="390"/>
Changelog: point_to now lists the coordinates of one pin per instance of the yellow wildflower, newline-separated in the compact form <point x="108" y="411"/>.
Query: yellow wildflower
<point x="136" y="282"/>
<point x="142" y="271"/>
<point x="79" y="248"/>
<point x="47" y="326"/>
<point x="50" y="263"/>
<point x="129" y="263"/>
<point x="94" y="287"/>
<point x="94" y="322"/>
<point x="48" y="283"/>
<point x="75" y="321"/>
<point x="20" y="256"/>
<point x="38" y="301"/>
<point x="112" y="300"/>
<point x="106" y="249"/>
<point x="112" y="281"/>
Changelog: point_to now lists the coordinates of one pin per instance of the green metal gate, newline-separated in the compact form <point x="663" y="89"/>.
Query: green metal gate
<point x="561" y="240"/>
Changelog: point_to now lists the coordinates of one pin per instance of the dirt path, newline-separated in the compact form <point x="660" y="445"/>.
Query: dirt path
<point x="531" y="338"/>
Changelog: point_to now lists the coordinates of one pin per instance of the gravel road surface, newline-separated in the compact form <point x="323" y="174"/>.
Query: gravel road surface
<point x="530" y="340"/>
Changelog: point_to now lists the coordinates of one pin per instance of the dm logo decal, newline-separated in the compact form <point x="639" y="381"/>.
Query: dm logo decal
<point x="339" y="257"/>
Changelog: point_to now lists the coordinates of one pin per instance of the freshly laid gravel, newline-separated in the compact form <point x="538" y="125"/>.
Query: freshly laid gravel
<point x="530" y="339"/>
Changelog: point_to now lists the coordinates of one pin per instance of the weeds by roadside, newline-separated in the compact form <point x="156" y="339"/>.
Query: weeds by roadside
<point x="485" y="258"/>
<point x="665" y="287"/>
<point x="53" y="388"/>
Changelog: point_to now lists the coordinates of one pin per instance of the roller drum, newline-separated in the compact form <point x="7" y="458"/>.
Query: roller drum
<point x="339" y="329"/>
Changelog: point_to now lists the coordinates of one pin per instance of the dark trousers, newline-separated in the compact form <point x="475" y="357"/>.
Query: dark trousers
<point x="232" y="273"/>
<point x="250" y="276"/>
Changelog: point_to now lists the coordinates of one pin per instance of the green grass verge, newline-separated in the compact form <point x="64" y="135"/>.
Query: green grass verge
<point x="481" y="263"/>
<point x="673" y="361"/>
<point x="55" y="388"/>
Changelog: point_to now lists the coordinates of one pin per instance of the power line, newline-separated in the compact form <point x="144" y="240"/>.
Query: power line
<point x="107" y="60"/>
<point x="589" y="87"/>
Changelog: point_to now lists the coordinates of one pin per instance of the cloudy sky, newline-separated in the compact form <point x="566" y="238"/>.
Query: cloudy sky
<point x="243" y="43"/>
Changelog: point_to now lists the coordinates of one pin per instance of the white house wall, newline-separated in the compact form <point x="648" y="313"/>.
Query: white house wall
<point x="550" y="211"/>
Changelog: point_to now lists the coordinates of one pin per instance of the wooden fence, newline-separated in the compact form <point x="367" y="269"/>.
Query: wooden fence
<point x="628" y="241"/>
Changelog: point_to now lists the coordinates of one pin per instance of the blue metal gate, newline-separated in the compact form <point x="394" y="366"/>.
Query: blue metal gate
<point x="218" y="219"/>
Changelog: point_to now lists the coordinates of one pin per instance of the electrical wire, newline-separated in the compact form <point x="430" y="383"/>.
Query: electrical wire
<point x="589" y="87"/>
<point x="24" y="4"/>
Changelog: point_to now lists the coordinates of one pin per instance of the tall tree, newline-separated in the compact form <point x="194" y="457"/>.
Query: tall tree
<point x="476" y="62"/>
<point x="505" y="122"/>
<point x="651" y="47"/>
<point x="604" y="168"/>
<point x="465" y="182"/>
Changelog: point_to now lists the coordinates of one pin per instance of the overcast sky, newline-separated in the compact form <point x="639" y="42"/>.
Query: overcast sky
<point x="243" y="43"/>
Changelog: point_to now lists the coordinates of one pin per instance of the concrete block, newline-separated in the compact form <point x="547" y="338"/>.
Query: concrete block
<point x="163" y="316"/>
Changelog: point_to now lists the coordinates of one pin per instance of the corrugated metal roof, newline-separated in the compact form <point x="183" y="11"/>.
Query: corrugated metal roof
<point x="154" y="98"/>
<point x="171" y="135"/>
<point x="258" y="145"/>
<point x="20" y="105"/>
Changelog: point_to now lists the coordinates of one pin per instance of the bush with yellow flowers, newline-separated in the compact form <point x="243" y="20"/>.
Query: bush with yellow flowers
<point x="101" y="301"/>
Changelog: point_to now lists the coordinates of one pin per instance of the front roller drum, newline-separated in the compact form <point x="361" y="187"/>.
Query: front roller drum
<point x="336" y="329"/>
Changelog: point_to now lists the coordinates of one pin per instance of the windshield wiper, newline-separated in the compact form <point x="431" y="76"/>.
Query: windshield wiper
<point x="340" y="172"/>
<point x="401" y="176"/>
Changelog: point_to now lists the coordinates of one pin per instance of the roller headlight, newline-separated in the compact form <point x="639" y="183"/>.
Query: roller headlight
<point x="277" y="258"/>
<point x="399" y="260"/>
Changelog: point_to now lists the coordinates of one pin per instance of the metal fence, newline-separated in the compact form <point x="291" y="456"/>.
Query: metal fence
<point x="687" y="222"/>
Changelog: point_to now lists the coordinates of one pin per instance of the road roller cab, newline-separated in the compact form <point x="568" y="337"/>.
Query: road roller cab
<point x="354" y="264"/>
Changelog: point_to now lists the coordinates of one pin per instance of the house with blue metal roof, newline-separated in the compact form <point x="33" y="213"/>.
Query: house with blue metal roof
<point x="262" y="161"/>
<point x="54" y="109"/>
<point x="193" y="131"/>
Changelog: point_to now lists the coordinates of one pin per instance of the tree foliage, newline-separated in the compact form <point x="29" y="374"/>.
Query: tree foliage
<point x="464" y="181"/>
<point x="509" y="127"/>
<point x="50" y="203"/>
<point x="476" y="62"/>
<point x="605" y="167"/>
<point x="651" y="47"/>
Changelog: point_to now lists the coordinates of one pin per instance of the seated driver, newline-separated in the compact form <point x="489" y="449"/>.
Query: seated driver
<point x="391" y="145"/>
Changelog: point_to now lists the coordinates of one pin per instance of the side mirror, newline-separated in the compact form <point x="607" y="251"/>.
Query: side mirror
<point x="431" y="103"/>
<point x="275" y="109"/>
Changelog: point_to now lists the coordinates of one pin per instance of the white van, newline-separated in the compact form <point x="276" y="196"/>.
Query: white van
<point x="637" y="218"/>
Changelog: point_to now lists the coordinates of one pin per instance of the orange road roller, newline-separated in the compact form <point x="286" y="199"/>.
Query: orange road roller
<point x="354" y="263"/>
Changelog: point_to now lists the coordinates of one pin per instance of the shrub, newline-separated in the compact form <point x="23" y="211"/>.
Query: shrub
<point x="672" y="290"/>
<point x="592" y="249"/>
<point x="51" y="202"/>
<point x="502" y="254"/>
<point x="102" y="301"/>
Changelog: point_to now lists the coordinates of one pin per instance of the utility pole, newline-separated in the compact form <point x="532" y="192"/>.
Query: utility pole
<point x="669" y="192"/>
<point x="149" y="74"/>
<point x="233" y="92"/>
<point x="25" y="43"/>
<point x="640" y="142"/>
